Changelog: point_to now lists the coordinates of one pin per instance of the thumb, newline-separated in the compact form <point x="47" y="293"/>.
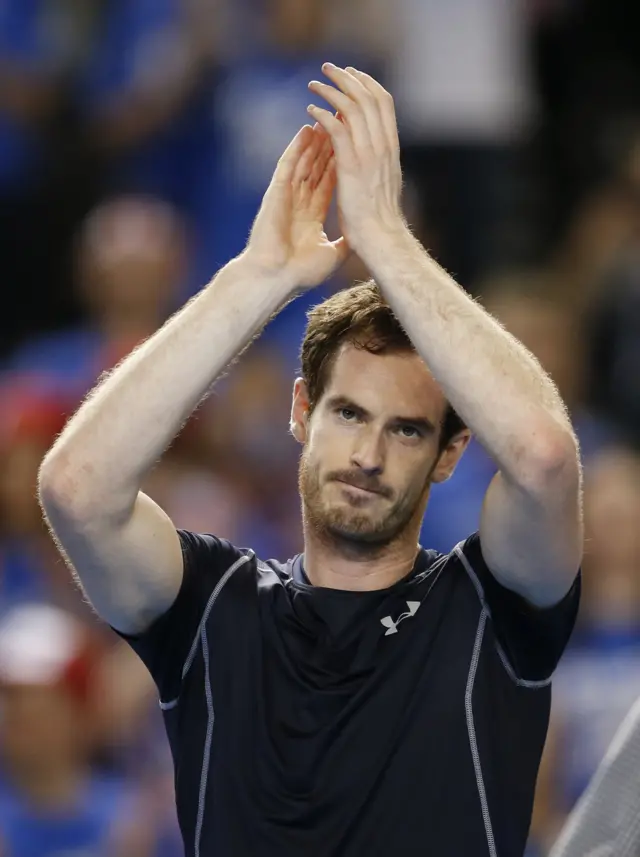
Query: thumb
<point x="342" y="249"/>
<point x="287" y="164"/>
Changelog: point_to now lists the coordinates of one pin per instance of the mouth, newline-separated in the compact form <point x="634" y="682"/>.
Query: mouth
<point x="364" y="491"/>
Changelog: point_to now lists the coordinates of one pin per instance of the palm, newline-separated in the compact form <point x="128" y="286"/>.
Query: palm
<point x="289" y="230"/>
<point x="310" y="250"/>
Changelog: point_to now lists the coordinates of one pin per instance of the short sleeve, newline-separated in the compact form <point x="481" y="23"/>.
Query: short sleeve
<point x="533" y="638"/>
<point x="165" y="646"/>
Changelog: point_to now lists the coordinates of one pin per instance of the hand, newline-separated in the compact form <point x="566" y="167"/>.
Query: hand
<point x="288" y="238"/>
<point x="364" y="135"/>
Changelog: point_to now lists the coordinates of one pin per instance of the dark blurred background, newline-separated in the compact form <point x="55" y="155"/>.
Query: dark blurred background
<point x="136" y="140"/>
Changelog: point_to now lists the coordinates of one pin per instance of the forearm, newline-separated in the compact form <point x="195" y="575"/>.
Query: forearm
<point x="494" y="383"/>
<point x="133" y="415"/>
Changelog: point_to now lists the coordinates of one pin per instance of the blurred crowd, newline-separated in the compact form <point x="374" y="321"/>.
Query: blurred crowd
<point x="136" y="140"/>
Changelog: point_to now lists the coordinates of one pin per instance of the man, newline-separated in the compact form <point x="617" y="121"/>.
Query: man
<point x="51" y="801"/>
<point x="368" y="697"/>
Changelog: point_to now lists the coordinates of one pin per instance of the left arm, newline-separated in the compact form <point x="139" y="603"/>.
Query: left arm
<point x="531" y="529"/>
<point x="531" y="524"/>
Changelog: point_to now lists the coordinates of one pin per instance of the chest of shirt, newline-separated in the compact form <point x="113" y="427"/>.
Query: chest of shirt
<point x="306" y="679"/>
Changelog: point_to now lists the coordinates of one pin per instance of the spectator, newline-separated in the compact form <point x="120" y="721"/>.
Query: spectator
<point x="132" y="743"/>
<point x="144" y="92"/>
<point x="51" y="803"/>
<point x="130" y="268"/>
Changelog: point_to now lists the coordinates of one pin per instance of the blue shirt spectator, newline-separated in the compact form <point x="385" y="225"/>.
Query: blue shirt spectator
<point x="141" y="93"/>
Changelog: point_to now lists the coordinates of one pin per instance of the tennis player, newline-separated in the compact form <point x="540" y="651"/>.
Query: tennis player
<point x="368" y="697"/>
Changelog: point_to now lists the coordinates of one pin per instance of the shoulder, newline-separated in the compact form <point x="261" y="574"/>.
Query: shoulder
<point x="209" y="556"/>
<point x="470" y="557"/>
<point x="529" y="640"/>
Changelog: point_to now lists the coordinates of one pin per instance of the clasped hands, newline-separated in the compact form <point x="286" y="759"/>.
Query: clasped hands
<point x="354" y="153"/>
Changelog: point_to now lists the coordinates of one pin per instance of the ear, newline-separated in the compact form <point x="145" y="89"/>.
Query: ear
<point x="450" y="456"/>
<point x="300" y="411"/>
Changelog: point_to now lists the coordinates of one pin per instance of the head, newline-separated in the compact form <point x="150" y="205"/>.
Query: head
<point x="131" y="260"/>
<point x="376" y="428"/>
<point x="46" y="662"/>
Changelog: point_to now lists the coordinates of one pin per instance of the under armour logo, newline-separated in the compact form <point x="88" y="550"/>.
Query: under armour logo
<point x="391" y="626"/>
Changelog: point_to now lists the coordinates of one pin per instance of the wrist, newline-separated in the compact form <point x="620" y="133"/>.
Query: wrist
<point x="278" y="279"/>
<point x="382" y="242"/>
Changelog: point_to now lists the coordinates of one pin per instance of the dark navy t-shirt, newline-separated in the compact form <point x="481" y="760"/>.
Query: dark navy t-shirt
<point x="312" y="722"/>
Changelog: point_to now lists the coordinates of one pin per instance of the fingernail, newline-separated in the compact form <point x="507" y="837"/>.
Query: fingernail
<point x="328" y="65"/>
<point x="311" y="108"/>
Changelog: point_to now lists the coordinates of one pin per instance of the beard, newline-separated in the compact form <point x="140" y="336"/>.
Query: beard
<point x="353" y="526"/>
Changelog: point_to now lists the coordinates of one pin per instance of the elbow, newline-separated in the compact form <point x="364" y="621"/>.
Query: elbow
<point x="63" y="487"/>
<point x="57" y="486"/>
<point x="551" y="463"/>
<point x="71" y="490"/>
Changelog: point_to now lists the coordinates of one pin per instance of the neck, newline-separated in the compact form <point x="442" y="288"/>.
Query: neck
<point x="335" y="565"/>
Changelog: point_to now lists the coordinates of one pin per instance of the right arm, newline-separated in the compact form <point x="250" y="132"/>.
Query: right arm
<point x="123" y="549"/>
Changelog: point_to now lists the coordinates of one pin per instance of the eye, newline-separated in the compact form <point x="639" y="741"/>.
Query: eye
<point x="410" y="432"/>
<point x="347" y="414"/>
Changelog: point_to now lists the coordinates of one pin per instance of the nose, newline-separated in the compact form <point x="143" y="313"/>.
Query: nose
<point x="368" y="454"/>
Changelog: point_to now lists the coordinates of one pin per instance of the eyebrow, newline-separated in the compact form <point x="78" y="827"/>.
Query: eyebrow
<point x="422" y="423"/>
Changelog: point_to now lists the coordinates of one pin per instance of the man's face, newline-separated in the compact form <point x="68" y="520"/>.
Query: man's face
<point x="371" y="448"/>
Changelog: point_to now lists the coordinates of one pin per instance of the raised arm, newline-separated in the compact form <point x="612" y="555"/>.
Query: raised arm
<point x="531" y="529"/>
<point x="122" y="547"/>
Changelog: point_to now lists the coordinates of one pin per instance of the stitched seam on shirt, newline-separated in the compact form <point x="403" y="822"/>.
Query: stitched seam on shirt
<point x="206" y="757"/>
<point x="167" y="706"/>
<point x="506" y="663"/>
<point x="471" y="729"/>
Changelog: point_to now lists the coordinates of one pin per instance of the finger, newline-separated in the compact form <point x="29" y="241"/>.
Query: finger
<point x="353" y="115"/>
<point x="347" y="83"/>
<point x="303" y="168"/>
<point x="320" y="164"/>
<point x="337" y="131"/>
<point x="323" y="193"/>
<point x="383" y="99"/>
<point x="369" y="83"/>
<point x="290" y="157"/>
<point x="350" y="83"/>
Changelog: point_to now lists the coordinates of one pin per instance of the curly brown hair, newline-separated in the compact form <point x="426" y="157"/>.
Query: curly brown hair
<point x="361" y="316"/>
